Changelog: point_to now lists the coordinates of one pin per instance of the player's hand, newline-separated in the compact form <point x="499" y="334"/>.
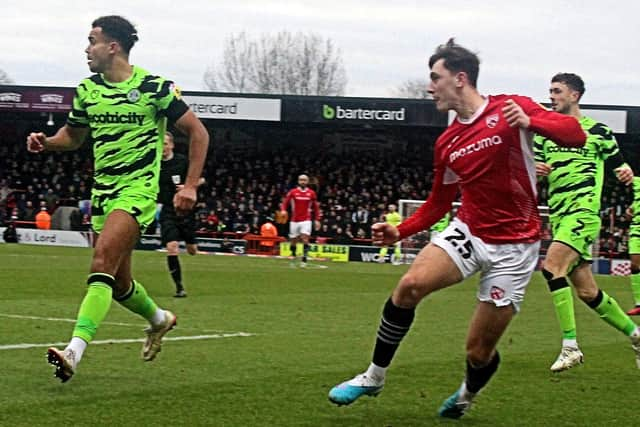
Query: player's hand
<point x="35" y="142"/>
<point x="543" y="169"/>
<point x="515" y="115"/>
<point x="185" y="199"/>
<point x="384" y="234"/>
<point x="624" y="174"/>
<point x="316" y="225"/>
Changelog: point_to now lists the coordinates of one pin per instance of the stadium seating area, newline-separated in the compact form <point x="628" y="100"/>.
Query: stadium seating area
<point x="244" y="189"/>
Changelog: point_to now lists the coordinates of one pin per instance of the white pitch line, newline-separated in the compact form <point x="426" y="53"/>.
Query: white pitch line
<point x="128" y="340"/>
<point x="61" y="319"/>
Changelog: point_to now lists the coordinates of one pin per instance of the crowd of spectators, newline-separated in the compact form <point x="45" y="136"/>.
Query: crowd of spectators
<point x="245" y="189"/>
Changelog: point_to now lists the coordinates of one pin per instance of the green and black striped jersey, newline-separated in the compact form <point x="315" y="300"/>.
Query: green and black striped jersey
<point x="634" y="230"/>
<point x="127" y="122"/>
<point x="577" y="174"/>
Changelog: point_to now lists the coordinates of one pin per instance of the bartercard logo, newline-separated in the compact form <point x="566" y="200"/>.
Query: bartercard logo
<point x="132" y="118"/>
<point x="340" y="113"/>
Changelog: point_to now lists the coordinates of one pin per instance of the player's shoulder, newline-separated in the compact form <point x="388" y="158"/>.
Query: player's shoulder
<point x="90" y="84"/>
<point x="519" y="99"/>
<point x="594" y="127"/>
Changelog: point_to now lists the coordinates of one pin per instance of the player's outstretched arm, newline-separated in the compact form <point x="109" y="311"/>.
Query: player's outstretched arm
<point x="67" y="138"/>
<point x="563" y="129"/>
<point x="384" y="234"/>
<point x="190" y="125"/>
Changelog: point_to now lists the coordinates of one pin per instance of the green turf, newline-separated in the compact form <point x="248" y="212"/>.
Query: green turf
<point x="313" y="328"/>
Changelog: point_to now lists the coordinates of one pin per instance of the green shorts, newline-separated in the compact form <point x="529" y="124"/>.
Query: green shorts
<point x="577" y="231"/>
<point x="141" y="207"/>
<point x="634" y="239"/>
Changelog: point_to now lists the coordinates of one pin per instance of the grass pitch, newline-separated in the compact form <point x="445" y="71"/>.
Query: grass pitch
<point x="305" y="330"/>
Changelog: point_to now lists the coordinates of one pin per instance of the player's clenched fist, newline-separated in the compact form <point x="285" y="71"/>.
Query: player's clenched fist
<point x="35" y="142"/>
<point x="384" y="234"/>
<point x="515" y="115"/>
<point x="184" y="200"/>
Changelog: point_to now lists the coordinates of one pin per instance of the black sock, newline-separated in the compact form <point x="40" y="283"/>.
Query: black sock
<point x="174" y="269"/>
<point x="479" y="377"/>
<point x="293" y="249"/>
<point x="305" y="251"/>
<point x="394" y="325"/>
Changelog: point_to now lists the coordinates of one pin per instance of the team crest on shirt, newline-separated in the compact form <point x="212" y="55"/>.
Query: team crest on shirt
<point x="134" y="95"/>
<point x="175" y="90"/>
<point x="95" y="94"/>
<point x="492" y="120"/>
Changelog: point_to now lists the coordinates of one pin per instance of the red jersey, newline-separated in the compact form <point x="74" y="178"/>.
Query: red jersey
<point x="301" y="201"/>
<point x="491" y="164"/>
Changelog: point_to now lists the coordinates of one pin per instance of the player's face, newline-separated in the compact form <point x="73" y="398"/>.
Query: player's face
<point x="442" y="86"/>
<point x="98" y="51"/>
<point x="302" y="182"/>
<point x="562" y="97"/>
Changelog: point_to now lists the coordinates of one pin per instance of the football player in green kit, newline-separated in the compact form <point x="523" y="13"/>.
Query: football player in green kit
<point x="123" y="111"/>
<point x="575" y="177"/>
<point x="634" y="247"/>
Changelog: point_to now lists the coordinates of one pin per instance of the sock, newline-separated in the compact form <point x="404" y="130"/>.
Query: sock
<point x="78" y="345"/>
<point x="635" y="285"/>
<point x="610" y="312"/>
<point x="394" y="325"/>
<point x="464" y="395"/>
<point x="293" y="249"/>
<point x="398" y="252"/>
<point x="174" y="268"/>
<point x="383" y="252"/>
<point x="94" y="306"/>
<point x="305" y="252"/>
<point x="563" y="304"/>
<point x="376" y="372"/>
<point x="478" y="377"/>
<point x="137" y="300"/>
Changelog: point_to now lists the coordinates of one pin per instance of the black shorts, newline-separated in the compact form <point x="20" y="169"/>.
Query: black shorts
<point x="174" y="228"/>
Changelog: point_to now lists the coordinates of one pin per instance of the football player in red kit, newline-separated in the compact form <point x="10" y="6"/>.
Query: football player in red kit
<point x="302" y="201"/>
<point x="486" y="156"/>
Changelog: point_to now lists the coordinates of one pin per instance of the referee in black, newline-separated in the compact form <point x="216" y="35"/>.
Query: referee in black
<point x="175" y="228"/>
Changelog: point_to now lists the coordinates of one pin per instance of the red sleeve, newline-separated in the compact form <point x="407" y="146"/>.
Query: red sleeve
<point x="285" y="202"/>
<point x="560" y="128"/>
<point x="437" y="205"/>
<point x="316" y="207"/>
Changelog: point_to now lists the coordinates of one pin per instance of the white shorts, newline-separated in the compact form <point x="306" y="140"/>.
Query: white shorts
<point x="298" y="228"/>
<point x="505" y="269"/>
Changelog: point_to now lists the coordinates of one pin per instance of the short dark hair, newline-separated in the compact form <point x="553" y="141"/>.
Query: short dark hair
<point x="119" y="29"/>
<point x="456" y="59"/>
<point x="573" y="81"/>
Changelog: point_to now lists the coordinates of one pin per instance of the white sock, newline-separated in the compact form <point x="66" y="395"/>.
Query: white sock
<point x="376" y="372"/>
<point x="573" y="343"/>
<point x="158" y="317"/>
<point x="465" y="395"/>
<point x="78" y="345"/>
